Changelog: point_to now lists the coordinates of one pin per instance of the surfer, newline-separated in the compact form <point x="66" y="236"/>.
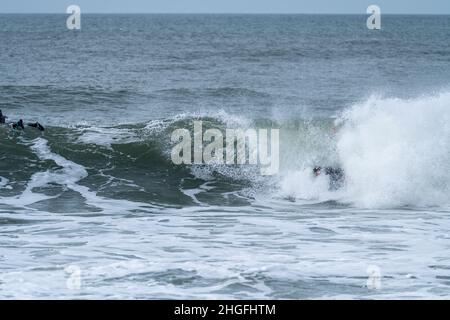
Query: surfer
<point x="36" y="125"/>
<point x="18" y="125"/>
<point x="2" y="118"/>
<point x="337" y="176"/>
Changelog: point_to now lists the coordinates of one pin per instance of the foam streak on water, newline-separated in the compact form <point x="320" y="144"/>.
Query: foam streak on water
<point x="229" y="253"/>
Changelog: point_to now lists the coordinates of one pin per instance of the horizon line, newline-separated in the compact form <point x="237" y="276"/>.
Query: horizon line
<point x="229" y="13"/>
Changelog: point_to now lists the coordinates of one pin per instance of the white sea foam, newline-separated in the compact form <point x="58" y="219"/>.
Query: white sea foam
<point x="394" y="152"/>
<point x="107" y="136"/>
<point x="397" y="152"/>
<point x="68" y="176"/>
<point x="303" y="185"/>
<point x="4" y="183"/>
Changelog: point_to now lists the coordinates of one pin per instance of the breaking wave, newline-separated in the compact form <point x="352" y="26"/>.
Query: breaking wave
<point x="394" y="153"/>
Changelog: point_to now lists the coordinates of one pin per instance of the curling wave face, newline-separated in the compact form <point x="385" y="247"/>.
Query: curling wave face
<point x="394" y="153"/>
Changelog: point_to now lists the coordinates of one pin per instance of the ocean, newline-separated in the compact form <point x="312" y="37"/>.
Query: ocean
<point x="94" y="207"/>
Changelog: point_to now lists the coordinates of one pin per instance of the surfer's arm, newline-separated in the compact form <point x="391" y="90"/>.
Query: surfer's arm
<point x="36" y="125"/>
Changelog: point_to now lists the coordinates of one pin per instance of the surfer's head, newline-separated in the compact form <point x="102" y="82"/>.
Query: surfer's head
<point x="317" y="171"/>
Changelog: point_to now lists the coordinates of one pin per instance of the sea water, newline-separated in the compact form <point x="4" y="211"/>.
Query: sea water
<point x="95" y="208"/>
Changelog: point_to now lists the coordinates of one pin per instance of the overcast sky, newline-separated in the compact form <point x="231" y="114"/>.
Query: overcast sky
<point x="226" y="6"/>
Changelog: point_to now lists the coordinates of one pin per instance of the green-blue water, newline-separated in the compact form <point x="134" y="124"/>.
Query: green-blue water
<point x="98" y="192"/>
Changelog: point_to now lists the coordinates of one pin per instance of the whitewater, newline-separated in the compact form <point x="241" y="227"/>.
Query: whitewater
<point x="391" y="213"/>
<point x="95" y="208"/>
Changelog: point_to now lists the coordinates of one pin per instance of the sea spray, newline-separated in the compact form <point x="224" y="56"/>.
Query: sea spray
<point x="397" y="152"/>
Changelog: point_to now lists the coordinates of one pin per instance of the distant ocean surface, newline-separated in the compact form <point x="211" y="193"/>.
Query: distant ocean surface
<point x="95" y="208"/>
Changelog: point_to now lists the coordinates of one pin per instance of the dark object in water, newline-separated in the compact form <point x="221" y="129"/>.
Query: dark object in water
<point x="36" y="125"/>
<point x="337" y="176"/>
<point x="2" y="118"/>
<point x="18" y="125"/>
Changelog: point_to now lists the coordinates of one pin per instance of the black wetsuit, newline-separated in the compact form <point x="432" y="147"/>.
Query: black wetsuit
<point x="2" y="118"/>
<point x="18" y="125"/>
<point x="36" y="125"/>
<point x="337" y="176"/>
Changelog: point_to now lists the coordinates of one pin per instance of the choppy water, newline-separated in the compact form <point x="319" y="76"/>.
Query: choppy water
<point x="94" y="207"/>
